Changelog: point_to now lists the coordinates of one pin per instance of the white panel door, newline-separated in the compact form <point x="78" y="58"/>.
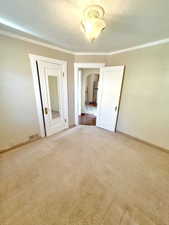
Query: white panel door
<point x="53" y="92"/>
<point x="108" y="97"/>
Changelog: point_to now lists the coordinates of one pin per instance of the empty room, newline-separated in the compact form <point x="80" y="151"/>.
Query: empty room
<point x="84" y="112"/>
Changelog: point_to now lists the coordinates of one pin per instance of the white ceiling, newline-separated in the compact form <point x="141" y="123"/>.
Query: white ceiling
<point x="129" y="22"/>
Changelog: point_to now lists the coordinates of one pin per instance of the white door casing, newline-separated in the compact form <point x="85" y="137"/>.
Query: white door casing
<point x="78" y="66"/>
<point x="80" y="92"/>
<point x="35" y="60"/>
<point x="110" y="85"/>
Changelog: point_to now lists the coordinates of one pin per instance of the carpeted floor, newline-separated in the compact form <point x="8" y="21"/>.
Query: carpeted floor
<point x="84" y="176"/>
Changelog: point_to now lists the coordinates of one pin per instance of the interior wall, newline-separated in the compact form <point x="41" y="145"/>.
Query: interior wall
<point x="144" y="108"/>
<point x="17" y="100"/>
<point x="91" y="79"/>
<point x="91" y="59"/>
<point x="95" y="88"/>
<point x="89" y="87"/>
<point x="85" y="75"/>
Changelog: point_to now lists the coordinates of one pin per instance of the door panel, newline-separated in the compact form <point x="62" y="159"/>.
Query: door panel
<point x="53" y="97"/>
<point x="108" y="97"/>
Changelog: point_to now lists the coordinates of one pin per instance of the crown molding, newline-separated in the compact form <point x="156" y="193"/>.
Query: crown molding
<point x="92" y="53"/>
<point x="149" y="44"/>
<point x="9" y="34"/>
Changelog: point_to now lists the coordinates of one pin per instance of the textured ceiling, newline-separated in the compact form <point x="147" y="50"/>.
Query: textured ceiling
<point x="129" y="22"/>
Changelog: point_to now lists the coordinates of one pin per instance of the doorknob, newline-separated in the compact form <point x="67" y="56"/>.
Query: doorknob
<point x="46" y="110"/>
<point x="115" y="108"/>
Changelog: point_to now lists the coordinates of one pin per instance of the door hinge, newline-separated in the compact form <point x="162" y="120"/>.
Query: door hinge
<point x="63" y="74"/>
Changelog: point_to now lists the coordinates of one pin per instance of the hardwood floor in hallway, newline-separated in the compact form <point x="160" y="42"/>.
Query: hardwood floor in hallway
<point x="87" y="119"/>
<point x="84" y="176"/>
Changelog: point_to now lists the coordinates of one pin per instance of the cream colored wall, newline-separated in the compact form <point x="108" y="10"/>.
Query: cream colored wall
<point x="90" y="59"/>
<point x="90" y="81"/>
<point x="18" y="118"/>
<point x="144" y="109"/>
<point x="85" y="74"/>
<point x="90" y="85"/>
<point x="144" y="106"/>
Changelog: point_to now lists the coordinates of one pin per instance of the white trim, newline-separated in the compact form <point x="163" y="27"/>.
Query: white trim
<point x="47" y="59"/>
<point x="92" y="53"/>
<point x="77" y="66"/>
<point x="37" y="95"/>
<point x="33" y="59"/>
<point x="150" y="44"/>
<point x="9" y="34"/>
<point x="66" y="97"/>
<point x="146" y="45"/>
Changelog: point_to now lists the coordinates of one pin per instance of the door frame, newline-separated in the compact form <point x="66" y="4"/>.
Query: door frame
<point x="33" y="61"/>
<point x="78" y="66"/>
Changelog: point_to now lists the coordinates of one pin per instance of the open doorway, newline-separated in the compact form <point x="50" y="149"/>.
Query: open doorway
<point x="105" y="98"/>
<point x="87" y="76"/>
<point x="89" y="96"/>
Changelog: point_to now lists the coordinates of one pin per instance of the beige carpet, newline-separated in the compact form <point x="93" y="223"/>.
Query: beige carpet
<point x="84" y="176"/>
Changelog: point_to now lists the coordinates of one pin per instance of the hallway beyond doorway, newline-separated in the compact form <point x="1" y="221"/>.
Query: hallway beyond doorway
<point x="89" y="117"/>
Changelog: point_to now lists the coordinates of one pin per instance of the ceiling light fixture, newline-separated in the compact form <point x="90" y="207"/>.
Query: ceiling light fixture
<point x="93" y="21"/>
